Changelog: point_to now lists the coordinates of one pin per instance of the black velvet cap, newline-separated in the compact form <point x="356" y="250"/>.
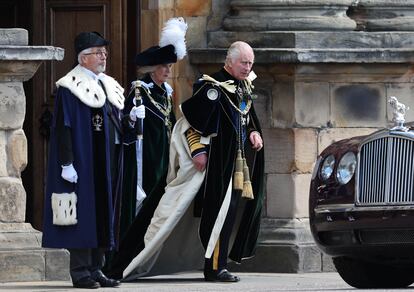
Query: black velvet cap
<point x="156" y="55"/>
<point x="86" y="40"/>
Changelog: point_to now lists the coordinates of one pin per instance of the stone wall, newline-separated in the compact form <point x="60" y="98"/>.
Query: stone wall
<point x="200" y="15"/>
<point x="311" y="106"/>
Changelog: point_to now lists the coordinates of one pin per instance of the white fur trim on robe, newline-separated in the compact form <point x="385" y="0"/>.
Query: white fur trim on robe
<point x="183" y="183"/>
<point x="84" y="87"/>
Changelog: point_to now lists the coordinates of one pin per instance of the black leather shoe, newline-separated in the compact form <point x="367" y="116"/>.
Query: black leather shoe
<point x="107" y="282"/>
<point x="86" y="283"/>
<point x="220" y="276"/>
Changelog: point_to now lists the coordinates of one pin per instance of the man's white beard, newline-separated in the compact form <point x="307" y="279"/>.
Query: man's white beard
<point x="101" y="68"/>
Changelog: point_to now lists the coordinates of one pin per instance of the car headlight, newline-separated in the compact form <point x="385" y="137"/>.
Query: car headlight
<point x="346" y="168"/>
<point x="327" y="167"/>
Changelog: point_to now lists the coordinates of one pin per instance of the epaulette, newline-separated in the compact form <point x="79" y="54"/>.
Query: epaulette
<point x="227" y="85"/>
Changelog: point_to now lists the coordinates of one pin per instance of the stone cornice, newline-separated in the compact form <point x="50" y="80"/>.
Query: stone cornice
<point x="31" y="53"/>
<point x="271" y="55"/>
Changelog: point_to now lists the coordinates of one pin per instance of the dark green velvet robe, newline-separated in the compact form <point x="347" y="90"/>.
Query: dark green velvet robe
<point x="155" y="155"/>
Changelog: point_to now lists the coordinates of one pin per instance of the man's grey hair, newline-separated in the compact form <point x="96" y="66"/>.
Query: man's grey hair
<point x="235" y="50"/>
<point x="85" y="51"/>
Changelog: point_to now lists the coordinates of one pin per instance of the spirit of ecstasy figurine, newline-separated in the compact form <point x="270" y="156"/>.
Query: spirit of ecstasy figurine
<point x="398" y="113"/>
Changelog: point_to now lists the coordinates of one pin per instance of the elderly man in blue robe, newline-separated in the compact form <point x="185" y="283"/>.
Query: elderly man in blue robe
<point x="84" y="178"/>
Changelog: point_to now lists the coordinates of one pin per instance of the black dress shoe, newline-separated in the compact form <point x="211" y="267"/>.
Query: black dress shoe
<point x="107" y="282"/>
<point x="86" y="283"/>
<point x="220" y="276"/>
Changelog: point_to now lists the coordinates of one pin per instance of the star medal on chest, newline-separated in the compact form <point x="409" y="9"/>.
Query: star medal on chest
<point x="97" y="122"/>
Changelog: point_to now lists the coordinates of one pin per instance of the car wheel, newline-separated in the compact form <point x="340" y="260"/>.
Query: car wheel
<point x="365" y="274"/>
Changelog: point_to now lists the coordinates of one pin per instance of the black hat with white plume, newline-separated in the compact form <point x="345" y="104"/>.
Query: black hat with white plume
<point x="171" y="46"/>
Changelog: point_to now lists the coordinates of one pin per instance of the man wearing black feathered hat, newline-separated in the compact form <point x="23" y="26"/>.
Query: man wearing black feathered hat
<point x="85" y="164"/>
<point x="147" y="154"/>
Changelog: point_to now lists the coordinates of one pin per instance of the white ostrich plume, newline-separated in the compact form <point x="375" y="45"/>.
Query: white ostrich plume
<point x="173" y="33"/>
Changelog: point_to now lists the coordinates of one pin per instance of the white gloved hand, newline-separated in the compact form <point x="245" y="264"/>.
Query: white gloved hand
<point x="69" y="173"/>
<point x="137" y="112"/>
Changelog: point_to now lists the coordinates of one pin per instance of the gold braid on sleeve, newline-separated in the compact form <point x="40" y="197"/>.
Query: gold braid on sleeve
<point x="193" y="140"/>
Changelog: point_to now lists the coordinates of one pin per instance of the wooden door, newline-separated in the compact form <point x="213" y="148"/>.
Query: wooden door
<point x="14" y="13"/>
<point x="56" y="23"/>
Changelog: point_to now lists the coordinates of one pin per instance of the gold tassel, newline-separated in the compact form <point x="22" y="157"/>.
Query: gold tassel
<point x="247" y="185"/>
<point x="238" y="172"/>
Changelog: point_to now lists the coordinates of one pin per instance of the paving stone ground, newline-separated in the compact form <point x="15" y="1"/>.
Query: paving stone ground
<point x="193" y="281"/>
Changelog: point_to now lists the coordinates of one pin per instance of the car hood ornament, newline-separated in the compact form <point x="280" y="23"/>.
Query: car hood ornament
<point x="399" y="110"/>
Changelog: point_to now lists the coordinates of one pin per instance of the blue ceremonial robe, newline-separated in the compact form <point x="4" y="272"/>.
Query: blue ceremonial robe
<point x="84" y="234"/>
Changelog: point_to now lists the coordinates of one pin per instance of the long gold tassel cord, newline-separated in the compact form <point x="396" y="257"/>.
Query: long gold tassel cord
<point x="238" y="172"/>
<point x="247" y="185"/>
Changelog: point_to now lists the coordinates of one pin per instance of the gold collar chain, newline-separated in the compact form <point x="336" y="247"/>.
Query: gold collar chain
<point x="165" y="111"/>
<point x="248" y="104"/>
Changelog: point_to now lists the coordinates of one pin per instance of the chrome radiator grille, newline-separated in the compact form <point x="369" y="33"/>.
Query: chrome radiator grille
<point x="385" y="172"/>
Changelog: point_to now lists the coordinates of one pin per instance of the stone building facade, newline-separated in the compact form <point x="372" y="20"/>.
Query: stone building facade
<point x="325" y="70"/>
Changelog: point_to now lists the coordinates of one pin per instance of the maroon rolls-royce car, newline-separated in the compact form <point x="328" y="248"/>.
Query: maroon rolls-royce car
<point x="361" y="207"/>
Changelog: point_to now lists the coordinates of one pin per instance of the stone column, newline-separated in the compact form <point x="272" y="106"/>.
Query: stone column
<point x="21" y="256"/>
<point x="312" y="67"/>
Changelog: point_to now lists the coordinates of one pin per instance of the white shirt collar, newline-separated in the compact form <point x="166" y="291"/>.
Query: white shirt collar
<point x="95" y="77"/>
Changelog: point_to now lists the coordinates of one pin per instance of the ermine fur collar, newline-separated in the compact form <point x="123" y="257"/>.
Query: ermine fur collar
<point x="84" y="87"/>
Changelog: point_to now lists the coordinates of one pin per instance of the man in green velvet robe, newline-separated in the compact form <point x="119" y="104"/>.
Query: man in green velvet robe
<point x="146" y="160"/>
<point x="146" y="150"/>
<point x="156" y="96"/>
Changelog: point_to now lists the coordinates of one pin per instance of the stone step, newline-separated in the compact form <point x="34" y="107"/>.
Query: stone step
<point x="285" y="258"/>
<point x="23" y="259"/>
<point x="285" y="246"/>
<point x="36" y="264"/>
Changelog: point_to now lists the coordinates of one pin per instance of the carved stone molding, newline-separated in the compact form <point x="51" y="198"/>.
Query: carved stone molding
<point x="383" y="15"/>
<point x="289" y="15"/>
